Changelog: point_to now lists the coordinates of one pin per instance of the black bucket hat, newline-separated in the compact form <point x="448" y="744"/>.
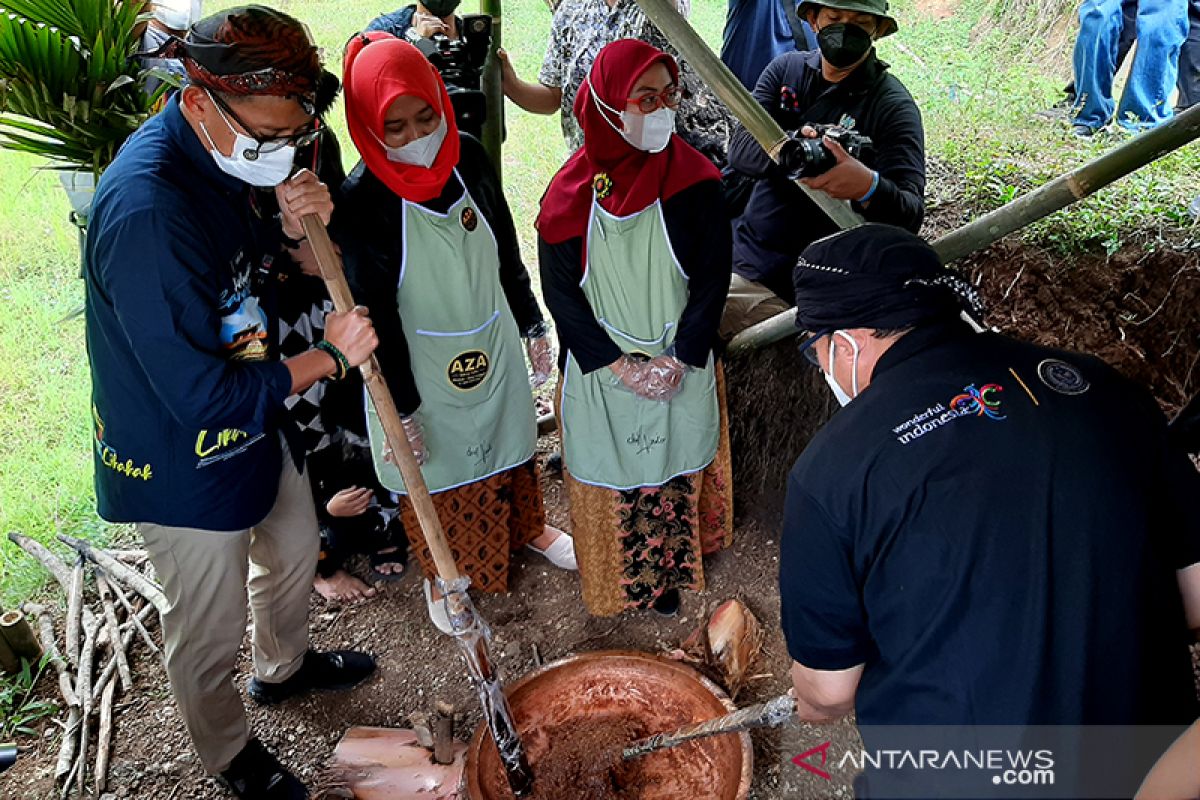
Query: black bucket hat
<point x="887" y="23"/>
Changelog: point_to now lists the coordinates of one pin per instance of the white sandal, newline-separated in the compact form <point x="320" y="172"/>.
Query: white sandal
<point x="437" y="610"/>
<point x="560" y="553"/>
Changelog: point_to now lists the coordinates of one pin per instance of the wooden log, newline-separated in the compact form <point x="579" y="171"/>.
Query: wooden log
<point x="46" y="636"/>
<point x="104" y="739"/>
<point x="74" y="611"/>
<point x="18" y="634"/>
<point x="114" y="632"/>
<point x="119" y="572"/>
<point x="8" y="659"/>
<point x="53" y="564"/>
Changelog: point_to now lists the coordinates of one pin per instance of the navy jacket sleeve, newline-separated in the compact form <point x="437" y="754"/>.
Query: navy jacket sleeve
<point x="824" y="622"/>
<point x="168" y="312"/>
<point x="900" y="161"/>
<point x="561" y="267"/>
<point x="702" y="240"/>
<point x="514" y="278"/>
<point x="746" y="155"/>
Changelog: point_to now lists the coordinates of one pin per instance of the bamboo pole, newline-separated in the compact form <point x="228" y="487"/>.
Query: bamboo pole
<point x="8" y="659"/>
<point x="729" y="89"/>
<point x="19" y="636"/>
<point x="493" y="92"/>
<point x="470" y="631"/>
<point x="1043" y="201"/>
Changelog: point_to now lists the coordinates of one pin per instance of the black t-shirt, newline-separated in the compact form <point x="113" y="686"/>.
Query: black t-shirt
<point x="993" y="529"/>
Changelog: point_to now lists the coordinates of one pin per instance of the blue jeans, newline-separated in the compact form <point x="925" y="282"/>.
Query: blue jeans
<point x="1189" y="61"/>
<point x="1162" y="26"/>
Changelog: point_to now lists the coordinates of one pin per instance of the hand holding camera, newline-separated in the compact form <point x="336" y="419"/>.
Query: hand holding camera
<point x="826" y="157"/>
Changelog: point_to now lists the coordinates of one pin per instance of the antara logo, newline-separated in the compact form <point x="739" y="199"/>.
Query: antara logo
<point x="823" y="751"/>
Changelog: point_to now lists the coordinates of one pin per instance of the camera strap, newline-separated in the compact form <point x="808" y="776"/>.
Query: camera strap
<point x="832" y="100"/>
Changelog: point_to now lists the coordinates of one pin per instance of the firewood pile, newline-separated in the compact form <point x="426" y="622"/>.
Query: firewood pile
<point x="111" y="601"/>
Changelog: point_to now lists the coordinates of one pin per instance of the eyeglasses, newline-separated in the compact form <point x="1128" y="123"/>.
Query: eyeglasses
<point x="808" y="348"/>
<point x="269" y="144"/>
<point x="649" y="103"/>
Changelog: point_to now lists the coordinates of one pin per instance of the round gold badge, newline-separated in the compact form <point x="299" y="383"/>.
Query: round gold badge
<point x="469" y="369"/>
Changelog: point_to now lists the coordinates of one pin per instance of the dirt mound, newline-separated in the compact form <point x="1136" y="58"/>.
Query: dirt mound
<point x="1137" y="310"/>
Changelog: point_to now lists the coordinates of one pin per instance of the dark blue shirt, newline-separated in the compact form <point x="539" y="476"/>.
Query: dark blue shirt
<point x="185" y="382"/>
<point x="993" y="529"/>
<point x="756" y="31"/>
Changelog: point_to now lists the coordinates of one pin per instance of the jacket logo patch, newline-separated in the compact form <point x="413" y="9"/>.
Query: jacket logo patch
<point x="469" y="369"/>
<point x="1062" y="377"/>
<point x="973" y="402"/>
<point x="469" y="219"/>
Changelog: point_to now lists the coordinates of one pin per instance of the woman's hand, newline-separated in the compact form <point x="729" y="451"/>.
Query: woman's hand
<point x="349" y="502"/>
<point x="541" y="358"/>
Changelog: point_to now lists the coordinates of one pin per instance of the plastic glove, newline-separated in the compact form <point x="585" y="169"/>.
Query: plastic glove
<point x="667" y="371"/>
<point x="541" y="358"/>
<point x="644" y="378"/>
<point x="416" y="438"/>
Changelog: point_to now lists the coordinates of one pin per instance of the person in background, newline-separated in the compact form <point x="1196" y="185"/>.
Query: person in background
<point x="1188" y="82"/>
<point x="578" y="32"/>
<point x="843" y="83"/>
<point x="421" y="21"/>
<point x="641" y="407"/>
<point x="169" y="19"/>
<point x="983" y="522"/>
<point x="191" y="442"/>
<point x="1162" y="27"/>
<point x="427" y="236"/>
<point x="756" y="31"/>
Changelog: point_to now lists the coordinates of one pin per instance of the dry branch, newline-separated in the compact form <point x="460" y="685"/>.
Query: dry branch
<point x="127" y="630"/>
<point x="135" y="617"/>
<point x="104" y="739"/>
<point x="70" y="740"/>
<point x="83" y="685"/>
<point x="114" y="633"/>
<point x="74" y="611"/>
<point x="46" y="635"/>
<point x="53" y="564"/>
<point x="119" y="572"/>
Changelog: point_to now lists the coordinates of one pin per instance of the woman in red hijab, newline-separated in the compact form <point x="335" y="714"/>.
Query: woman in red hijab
<point x="634" y="246"/>
<point x="429" y="245"/>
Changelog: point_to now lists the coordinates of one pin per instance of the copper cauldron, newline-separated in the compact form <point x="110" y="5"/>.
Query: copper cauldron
<point x="660" y="693"/>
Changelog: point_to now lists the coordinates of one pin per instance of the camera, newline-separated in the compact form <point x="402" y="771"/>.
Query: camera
<point x="806" y="158"/>
<point x="460" y="63"/>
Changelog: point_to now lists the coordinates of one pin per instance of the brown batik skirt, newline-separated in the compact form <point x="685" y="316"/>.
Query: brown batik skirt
<point x="485" y="522"/>
<point x="633" y="545"/>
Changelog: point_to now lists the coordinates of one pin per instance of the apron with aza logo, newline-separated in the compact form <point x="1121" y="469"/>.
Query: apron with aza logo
<point x="476" y="409"/>
<point x="637" y="290"/>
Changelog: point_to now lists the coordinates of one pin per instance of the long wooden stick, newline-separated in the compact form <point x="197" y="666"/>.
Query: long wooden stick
<point x="104" y="740"/>
<point x="729" y="89"/>
<point x="470" y="631"/>
<point x="136" y="617"/>
<point x="119" y="572"/>
<point x="83" y="684"/>
<point x="763" y="715"/>
<point x="74" y="611"/>
<point x="114" y="632"/>
<point x="46" y="636"/>
<point x="126" y="639"/>
<point x="53" y="564"/>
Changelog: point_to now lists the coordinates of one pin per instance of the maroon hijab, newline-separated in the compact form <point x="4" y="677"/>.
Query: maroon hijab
<point x="633" y="179"/>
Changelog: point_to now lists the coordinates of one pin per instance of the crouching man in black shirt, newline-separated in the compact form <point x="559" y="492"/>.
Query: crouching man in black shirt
<point x="842" y="84"/>
<point x="990" y="532"/>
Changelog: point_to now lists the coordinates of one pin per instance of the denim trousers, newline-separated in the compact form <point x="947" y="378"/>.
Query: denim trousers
<point x="1162" y="27"/>
<point x="1189" y="61"/>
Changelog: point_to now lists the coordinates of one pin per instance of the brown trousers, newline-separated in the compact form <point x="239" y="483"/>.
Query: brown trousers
<point x="205" y="575"/>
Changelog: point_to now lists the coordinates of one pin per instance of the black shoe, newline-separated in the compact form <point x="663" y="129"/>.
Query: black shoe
<point x="255" y="774"/>
<point x="667" y="603"/>
<point x="329" y="672"/>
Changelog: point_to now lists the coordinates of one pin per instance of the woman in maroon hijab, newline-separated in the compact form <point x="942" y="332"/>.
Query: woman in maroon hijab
<point x="429" y="245"/>
<point x="634" y="247"/>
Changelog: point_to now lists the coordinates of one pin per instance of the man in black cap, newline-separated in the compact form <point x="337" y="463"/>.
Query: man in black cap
<point x="844" y="84"/>
<point x="990" y="532"/>
<point x="190" y="441"/>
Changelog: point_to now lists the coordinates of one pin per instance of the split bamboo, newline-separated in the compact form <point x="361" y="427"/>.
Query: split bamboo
<point x="19" y="636"/>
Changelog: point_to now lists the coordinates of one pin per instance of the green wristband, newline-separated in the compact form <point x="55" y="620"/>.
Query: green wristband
<point x="339" y="359"/>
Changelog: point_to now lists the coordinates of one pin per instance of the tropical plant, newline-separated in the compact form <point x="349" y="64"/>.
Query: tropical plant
<point x="69" y="88"/>
<point x="19" y="708"/>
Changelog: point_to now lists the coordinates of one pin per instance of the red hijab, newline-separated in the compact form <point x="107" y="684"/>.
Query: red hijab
<point x="634" y="178"/>
<point x="378" y="68"/>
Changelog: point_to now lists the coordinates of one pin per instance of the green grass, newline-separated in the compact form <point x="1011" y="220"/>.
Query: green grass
<point x="973" y="80"/>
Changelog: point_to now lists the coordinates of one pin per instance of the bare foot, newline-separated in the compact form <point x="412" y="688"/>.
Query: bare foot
<point x="342" y="587"/>
<point x="387" y="567"/>
<point x="548" y="537"/>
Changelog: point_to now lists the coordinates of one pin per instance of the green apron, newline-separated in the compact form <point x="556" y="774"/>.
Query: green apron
<point x="611" y="437"/>
<point x="476" y="408"/>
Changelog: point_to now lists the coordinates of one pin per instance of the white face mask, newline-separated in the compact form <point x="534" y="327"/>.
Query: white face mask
<point x="262" y="169"/>
<point x="649" y="132"/>
<point x="177" y="15"/>
<point x="838" y="392"/>
<point x="420" y="152"/>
